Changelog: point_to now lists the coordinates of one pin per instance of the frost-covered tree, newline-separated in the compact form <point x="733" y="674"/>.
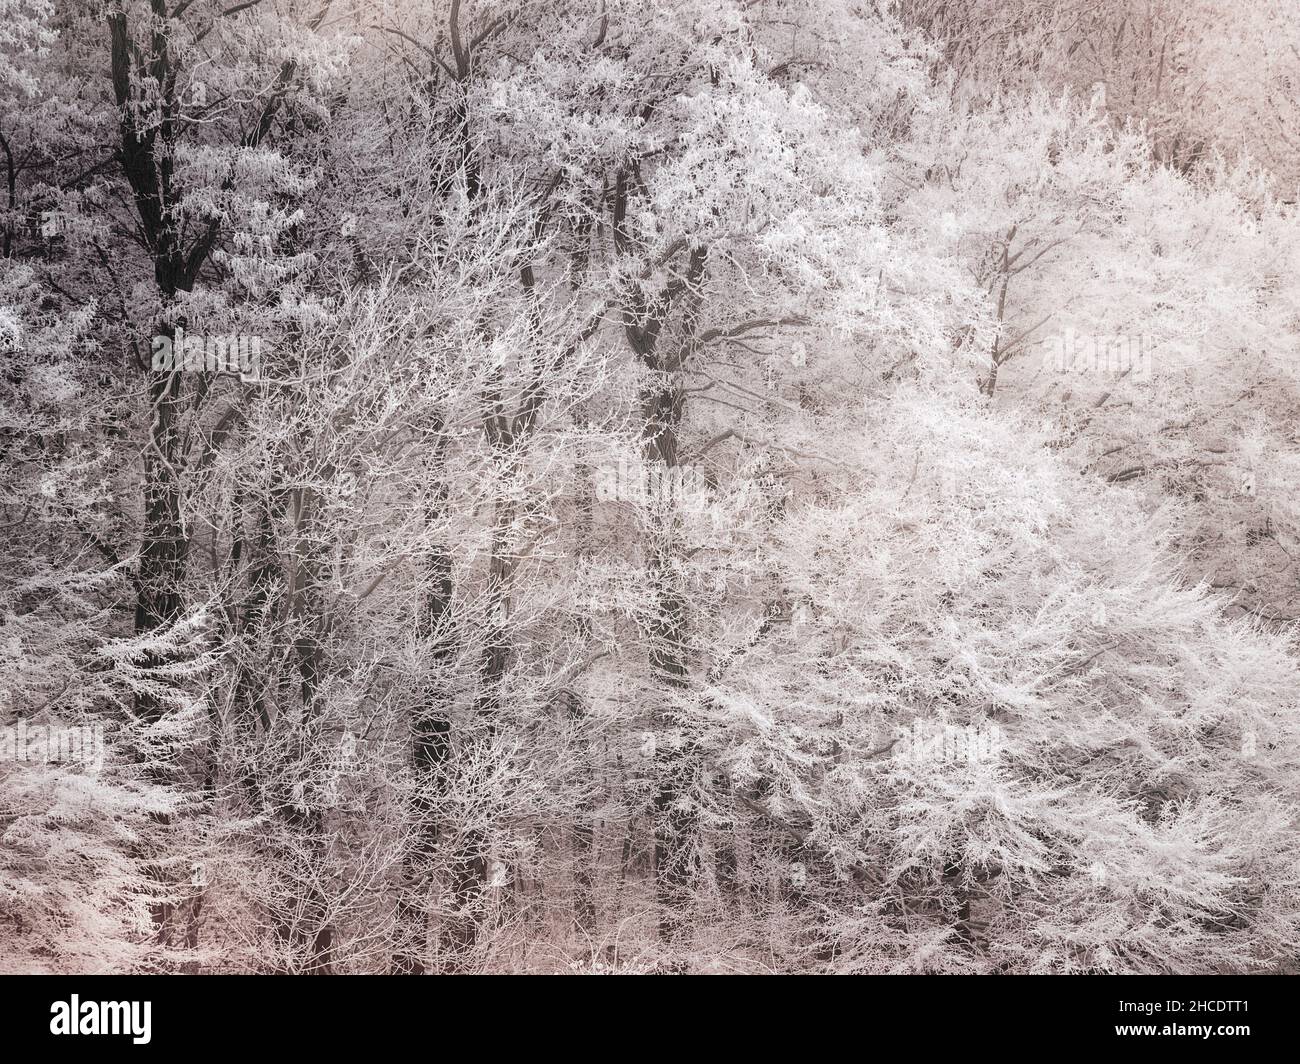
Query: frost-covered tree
<point x="547" y="486"/>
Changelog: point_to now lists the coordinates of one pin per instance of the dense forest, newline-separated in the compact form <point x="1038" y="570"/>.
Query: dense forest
<point x="626" y="486"/>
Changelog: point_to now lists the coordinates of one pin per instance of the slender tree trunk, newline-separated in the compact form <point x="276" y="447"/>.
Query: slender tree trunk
<point x="313" y="935"/>
<point x="469" y="861"/>
<point x="676" y="820"/>
<point x="430" y="746"/>
<point x="583" y="840"/>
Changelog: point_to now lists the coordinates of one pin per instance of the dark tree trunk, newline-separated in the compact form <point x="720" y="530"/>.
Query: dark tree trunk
<point x="676" y="821"/>
<point x="430" y="747"/>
